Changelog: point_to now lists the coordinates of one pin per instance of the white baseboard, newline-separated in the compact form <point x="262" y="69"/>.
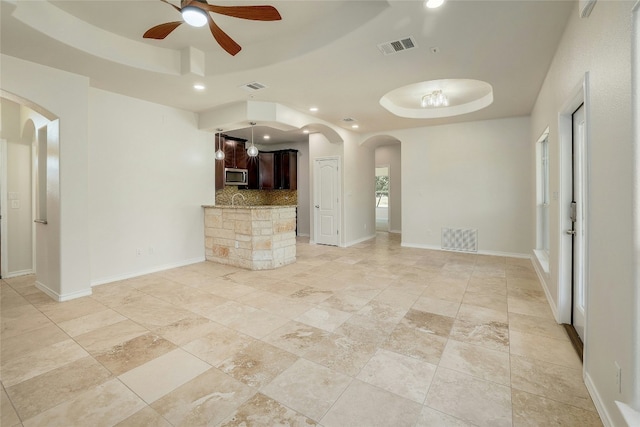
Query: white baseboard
<point x="63" y="297"/>
<point x="542" y="277"/>
<point x="395" y="231"/>
<point x="597" y="401"/>
<point x="483" y="252"/>
<point x="132" y="274"/>
<point x="18" y="273"/>
<point x="630" y="415"/>
<point x="363" y="239"/>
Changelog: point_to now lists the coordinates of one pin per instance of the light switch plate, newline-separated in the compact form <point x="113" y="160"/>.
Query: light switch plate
<point x="15" y="204"/>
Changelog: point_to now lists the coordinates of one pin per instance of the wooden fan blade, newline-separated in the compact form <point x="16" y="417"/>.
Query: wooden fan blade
<point x="223" y="39"/>
<point x="161" y="31"/>
<point x="172" y="5"/>
<point x="255" y="13"/>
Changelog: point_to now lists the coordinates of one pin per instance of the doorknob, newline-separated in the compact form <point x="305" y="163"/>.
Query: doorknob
<point x="571" y="232"/>
<point x="318" y="206"/>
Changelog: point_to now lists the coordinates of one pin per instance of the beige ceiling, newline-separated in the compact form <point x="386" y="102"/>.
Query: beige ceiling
<point x="322" y="53"/>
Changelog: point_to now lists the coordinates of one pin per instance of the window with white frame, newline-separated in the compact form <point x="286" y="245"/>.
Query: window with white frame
<point x="542" y="196"/>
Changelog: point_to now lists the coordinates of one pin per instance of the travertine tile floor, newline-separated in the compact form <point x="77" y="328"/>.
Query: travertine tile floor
<point x="375" y="334"/>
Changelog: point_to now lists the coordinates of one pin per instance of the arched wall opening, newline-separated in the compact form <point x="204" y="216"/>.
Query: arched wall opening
<point x="388" y="205"/>
<point x="18" y="184"/>
<point x="28" y="244"/>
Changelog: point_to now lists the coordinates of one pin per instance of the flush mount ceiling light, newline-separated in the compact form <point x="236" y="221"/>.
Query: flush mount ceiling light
<point x="220" y="151"/>
<point x="463" y="96"/>
<point x="198" y="86"/>
<point x="313" y="109"/>
<point x="435" y="99"/>
<point x="252" y="151"/>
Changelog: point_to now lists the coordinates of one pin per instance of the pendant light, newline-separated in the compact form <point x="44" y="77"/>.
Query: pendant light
<point x="252" y="151"/>
<point x="220" y="152"/>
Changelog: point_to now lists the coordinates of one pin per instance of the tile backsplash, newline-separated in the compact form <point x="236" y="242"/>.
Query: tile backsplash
<point x="257" y="197"/>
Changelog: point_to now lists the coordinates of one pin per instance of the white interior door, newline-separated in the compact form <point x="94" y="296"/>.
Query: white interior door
<point x="326" y="201"/>
<point x="578" y="219"/>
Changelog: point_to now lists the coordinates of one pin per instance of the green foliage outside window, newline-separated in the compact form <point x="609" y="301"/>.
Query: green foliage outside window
<point x="382" y="188"/>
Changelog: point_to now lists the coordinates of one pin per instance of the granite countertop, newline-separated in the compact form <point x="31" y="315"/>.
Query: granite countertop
<point x="249" y="206"/>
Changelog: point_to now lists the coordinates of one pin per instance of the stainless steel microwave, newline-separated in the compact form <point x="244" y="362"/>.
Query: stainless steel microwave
<point x="236" y="176"/>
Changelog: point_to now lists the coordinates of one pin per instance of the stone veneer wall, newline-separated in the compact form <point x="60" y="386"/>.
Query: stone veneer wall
<point x="253" y="238"/>
<point x="257" y="197"/>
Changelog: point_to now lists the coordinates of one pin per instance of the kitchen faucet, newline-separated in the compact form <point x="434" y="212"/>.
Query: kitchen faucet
<point x="234" y="197"/>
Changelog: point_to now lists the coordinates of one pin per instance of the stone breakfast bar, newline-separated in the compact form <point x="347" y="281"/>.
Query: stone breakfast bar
<point x="252" y="237"/>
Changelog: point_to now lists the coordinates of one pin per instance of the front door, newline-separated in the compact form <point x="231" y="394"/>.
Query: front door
<point x="326" y="201"/>
<point x="578" y="217"/>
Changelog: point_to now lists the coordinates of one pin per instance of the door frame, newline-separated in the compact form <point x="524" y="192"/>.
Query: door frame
<point x="580" y="95"/>
<point x="314" y="218"/>
<point x="4" y="261"/>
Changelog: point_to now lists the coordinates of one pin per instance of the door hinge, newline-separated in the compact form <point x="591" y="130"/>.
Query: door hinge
<point x="337" y="231"/>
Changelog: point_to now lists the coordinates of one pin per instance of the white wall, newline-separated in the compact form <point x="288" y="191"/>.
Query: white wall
<point x="600" y="45"/>
<point x="19" y="219"/>
<point x="359" y="191"/>
<point x="66" y="235"/>
<point x="468" y="175"/>
<point x="151" y="169"/>
<point x="18" y="186"/>
<point x="391" y="155"/>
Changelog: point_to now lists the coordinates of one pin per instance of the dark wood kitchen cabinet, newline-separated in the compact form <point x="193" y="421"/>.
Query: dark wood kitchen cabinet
<point x="274" y="170"/>
<point x="235" y="153"/>
<point x="266" y="179"/>
<point x="235" y="156"/>
<point x="286" y="170"/>
<point x="261" y="169"/>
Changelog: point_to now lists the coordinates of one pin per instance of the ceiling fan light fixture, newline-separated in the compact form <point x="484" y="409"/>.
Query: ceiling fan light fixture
<point x="194" y="16"/>
<point x="432" y="4"/>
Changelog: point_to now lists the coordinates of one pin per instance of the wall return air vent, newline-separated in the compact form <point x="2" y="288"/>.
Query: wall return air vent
<point x="395" y="46"/>
<point x="460" y="239"/>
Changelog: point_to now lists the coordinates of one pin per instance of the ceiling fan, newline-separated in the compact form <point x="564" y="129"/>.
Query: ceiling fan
<point x="196" y="13"/>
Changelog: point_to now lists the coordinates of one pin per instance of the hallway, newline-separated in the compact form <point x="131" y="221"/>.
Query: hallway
<point x="373" y="334"/>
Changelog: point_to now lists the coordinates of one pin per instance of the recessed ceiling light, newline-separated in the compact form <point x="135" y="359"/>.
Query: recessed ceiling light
<point x="305" y="131"/>
<point x="432" y="4"/>
<point x="354" y="126"/>
<point x="198" y="86"/>
<point x="313" y="109"/>
<point x="266" y="137"/>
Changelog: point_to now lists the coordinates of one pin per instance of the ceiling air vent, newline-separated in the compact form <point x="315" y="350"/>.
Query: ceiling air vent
<point x="348" y="119"/>
<point x="253" y="86"/>
<point x="396" y="46"/>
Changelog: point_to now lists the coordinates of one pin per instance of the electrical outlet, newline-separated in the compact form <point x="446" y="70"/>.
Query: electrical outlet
<point x="618" y="377"/>
<point x="151" y="250"/>
<point x="237" y="245"/>
<point x="139" y="251"/>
